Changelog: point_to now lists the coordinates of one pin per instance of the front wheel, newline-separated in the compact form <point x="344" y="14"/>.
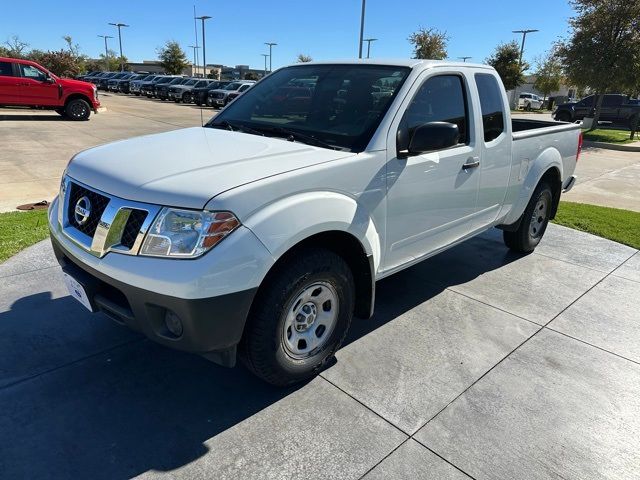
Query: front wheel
<point x="534" y="221"/>
<point x="300" y="318"/>
<point x="78" y="109"/>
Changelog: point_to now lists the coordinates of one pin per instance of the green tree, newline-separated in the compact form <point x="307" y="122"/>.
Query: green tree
<point x="603" y="51"/>
<point x="506" y="61"/>
<point x="251" y="76"/>
<point x="172" y="58"/>
<point x="61" y="62"/>
<point x="548" y="73"/>
<point x="429" y="43"/>
<point x="113" y="61"/>
<point x="302" y="58"/>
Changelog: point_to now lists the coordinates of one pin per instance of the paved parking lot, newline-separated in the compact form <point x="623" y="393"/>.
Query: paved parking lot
<point x="478" y="363"/>
<point x="36" y="146"/>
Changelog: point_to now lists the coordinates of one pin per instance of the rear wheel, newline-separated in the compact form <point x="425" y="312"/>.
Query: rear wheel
<point x="563" y="117"/>
<point x="534" y="221"/>
<point x="78" y="109"/>
<point x="187" y="98"/>
<point x="300" y="318"/>
<point x="527" y="107"/>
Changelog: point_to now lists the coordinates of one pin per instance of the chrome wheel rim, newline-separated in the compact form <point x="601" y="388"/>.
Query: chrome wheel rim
<point x="539" y="217"/>
<point x="310" y="320"/>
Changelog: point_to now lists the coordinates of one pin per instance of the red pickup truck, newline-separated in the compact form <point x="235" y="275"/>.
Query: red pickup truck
<point x="25" y="83"/>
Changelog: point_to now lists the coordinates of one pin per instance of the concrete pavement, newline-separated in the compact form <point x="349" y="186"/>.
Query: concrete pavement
<point x="38" y="144"/>
<point x="478" y="363"/>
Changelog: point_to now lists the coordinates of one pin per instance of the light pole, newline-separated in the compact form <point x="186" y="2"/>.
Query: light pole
<point x="204" y="48"/>
<point x="271" y="45"/>
<point x="464" y="59"/>
<point x="369" y="40"/>
<point x="524" y="37"/>
<point x="106" y="52"/>
<point x="195" y="56"/>
<point x="265" y="55"/>
<point x="361" y="29"/>
<point x="120" y="25"/>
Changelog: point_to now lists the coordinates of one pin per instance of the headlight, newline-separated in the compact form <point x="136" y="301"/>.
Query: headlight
<point x="187" y="233"/>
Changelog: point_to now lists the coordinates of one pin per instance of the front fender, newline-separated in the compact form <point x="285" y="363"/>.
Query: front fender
<point x="285" y="223"/>
<point x="547" y="159"/>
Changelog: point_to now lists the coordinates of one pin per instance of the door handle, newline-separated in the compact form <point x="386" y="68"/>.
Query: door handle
<point x="472" y="162"/>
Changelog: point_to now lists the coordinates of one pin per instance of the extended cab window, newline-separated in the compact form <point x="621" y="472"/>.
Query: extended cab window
<point x="491" y="105"/>
<point x="6" y="69"/>
<point x="440" y="99"/>
<point x="29" y="71"/>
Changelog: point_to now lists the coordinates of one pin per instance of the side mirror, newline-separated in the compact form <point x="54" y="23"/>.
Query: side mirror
<point x="49" y="80"/>
<point x="433" y="136"/>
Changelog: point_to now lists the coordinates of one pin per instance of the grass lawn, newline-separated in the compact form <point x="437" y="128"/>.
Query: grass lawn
<point x="608" y="135"/>
<point x="622" y="226"/>
<point x="18" y="230"/>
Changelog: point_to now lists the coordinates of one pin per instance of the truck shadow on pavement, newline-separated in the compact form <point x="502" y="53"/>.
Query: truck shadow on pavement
<point x="32" y="118"/>
<point x="134" y="406"/>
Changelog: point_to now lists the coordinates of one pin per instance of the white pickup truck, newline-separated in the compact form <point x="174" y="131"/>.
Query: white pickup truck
<point x="264" y="232"/>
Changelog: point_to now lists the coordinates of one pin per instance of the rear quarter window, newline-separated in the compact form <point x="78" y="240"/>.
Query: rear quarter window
<point x="6" y="69"/>
<point x="491" y="105"/>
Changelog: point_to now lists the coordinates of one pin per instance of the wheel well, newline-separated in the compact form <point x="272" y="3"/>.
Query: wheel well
<point x="553" y="177"/>
<point x="350" y="249"/>
<point x="73" y="96"/>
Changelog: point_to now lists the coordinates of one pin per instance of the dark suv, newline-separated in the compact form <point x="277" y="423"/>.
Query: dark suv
<point x="199" y="95"/>
<point x="616" y="108"/>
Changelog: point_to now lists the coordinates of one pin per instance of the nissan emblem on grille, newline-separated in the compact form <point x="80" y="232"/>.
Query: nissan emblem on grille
<point x="82" y="211"/>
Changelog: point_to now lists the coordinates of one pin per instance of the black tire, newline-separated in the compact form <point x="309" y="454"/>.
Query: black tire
<point x="534" y="221"/>
<point x="77" y="109"/>
<point x="563" y="117"/>
<point x="527" y="107"/>
<point x="633" y="120"/>
<point x="187" y="98"/>
<point x="264" y="349"/>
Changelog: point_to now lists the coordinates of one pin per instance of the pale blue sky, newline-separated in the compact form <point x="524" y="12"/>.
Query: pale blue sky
<point x="324" y="29"/>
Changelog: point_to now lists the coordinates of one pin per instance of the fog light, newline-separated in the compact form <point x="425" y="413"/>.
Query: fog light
<point x="173" y="323"/>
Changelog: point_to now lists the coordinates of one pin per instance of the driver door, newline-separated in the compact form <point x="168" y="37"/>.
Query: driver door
<point x="36" y="89"/>
<point x="431" y="197"/>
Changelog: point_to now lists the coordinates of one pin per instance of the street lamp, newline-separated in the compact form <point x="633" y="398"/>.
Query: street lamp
<point x="369" y="40"/>
<point x="464" y="59"/>
<point x="265" y="55"/>
<point x="524" y="37"/>
<point x="195" y="56"/>
<point x="271" y="45"/>
<point x="120" y="25"/>
<point x="106" y="52"/>
<point x="204" y="48"/>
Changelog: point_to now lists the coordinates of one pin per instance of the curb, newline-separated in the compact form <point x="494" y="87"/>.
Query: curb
<point x="612" y="146"/>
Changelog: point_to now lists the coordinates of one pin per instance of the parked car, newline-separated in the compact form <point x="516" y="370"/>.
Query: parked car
<point x="162" y="89"/>
<point x="529" y="101"/>
<point x="114" y="82"/>
<point x="200" y="93"/>
<point x="616" y="108"/>
<point x="95" y="77"/>
<point x="124" y="86"/>
<point x="233" y="95"/>
<point x="26" y="83"/>
<point x="103" y="81"/>
<point x="219" y="98"/>
<point x="151" y="90"/>
<point x="264" y="236"/>
<point x="182" y="92"/>
<point x="135" y="86"/>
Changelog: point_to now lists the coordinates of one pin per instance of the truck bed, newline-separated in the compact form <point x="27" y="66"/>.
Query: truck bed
<point x="525" y="128"/>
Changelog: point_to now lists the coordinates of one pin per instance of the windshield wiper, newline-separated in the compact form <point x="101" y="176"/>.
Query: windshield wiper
<point x="235" y="128"/>
<point x="293" y="136"/>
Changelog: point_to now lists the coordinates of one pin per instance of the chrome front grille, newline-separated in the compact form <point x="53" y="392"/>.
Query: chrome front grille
<point x="101" y="223"/>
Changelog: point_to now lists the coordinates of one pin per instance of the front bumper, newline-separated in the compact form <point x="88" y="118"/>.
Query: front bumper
<point x="210" y="295"/>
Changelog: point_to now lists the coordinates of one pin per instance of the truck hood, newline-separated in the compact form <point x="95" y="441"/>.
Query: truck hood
<point x="186" y="168"/>
<point x="68" y="82"/>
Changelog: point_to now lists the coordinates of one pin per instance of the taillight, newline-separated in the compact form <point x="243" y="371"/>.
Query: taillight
<point x="579" y="147"/>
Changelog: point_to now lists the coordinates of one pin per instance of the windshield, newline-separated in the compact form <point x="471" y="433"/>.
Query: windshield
<point x="201" y="83"/>
<point x="339" y="105"/>
<point x="176" y="81"/>
<point x="190" y="82"/>
<point x="165" y="79"/>
<point x="233" y="86"/>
